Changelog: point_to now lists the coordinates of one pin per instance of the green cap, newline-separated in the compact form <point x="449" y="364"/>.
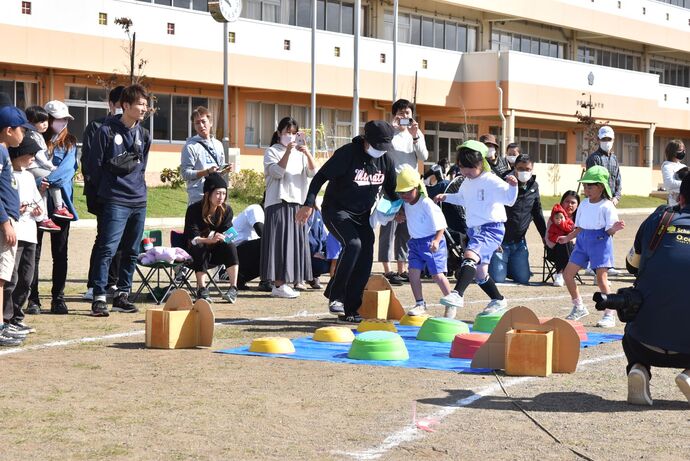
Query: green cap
<point x="597" y="174"/>
<point x="478" y="147"/>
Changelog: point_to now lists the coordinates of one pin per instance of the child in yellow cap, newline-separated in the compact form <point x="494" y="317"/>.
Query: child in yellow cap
<point x="427" y="244"/>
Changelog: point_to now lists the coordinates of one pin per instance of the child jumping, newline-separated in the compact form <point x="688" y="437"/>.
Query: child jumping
<point x="595" y="224"/>
<point x="484" y="196"/>
<point x="559" y="224"/>
<point x="427" y="245"/>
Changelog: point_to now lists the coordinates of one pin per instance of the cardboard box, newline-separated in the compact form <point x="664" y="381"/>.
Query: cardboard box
<point x="529" y="352"/>
<point x="375" y="304"/>
<point x="180" y="324"/>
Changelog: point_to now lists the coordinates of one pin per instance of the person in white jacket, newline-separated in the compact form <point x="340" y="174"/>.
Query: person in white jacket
<point x="675" y="153"/>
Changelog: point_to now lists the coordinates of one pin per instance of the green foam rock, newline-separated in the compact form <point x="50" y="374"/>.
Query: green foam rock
<point x="441" y="330"/>
<point x="486" y="323"/>
<point x="378" y="345"/>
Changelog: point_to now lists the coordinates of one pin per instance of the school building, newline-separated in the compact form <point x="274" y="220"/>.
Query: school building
<point x="520" y="69"/>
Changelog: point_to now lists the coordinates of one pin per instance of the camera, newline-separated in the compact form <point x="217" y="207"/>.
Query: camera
<point x="406" y="121"/>
<point x="626" y="302"/>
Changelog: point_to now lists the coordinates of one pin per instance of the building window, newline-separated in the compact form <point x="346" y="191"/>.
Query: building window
<point x="660" y="149"/>
<point x="332" y="15"/>
<point x="26" y="7"/>
<point x="609" y="57"/>
<point x="627" y="149"/>
<point x="426" y="31"/>
<point x="85" y="104"/>
<point x="20" y="94"/>
<point x="504" y="41"/>
<point x="443" y="139"/>
<point x="336" y="51"/>
<point x="671" y="72"/>
<point x="543" y="145"/>
<point x="171" y="120"/>
<point x="231" y="37"/>
<point x="286" y="45"/>
<point x="171" y="28"/>
<point x="103" y="19"/>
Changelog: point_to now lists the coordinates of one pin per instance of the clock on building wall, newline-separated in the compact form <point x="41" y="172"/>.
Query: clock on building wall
<point x="225" y="10"/>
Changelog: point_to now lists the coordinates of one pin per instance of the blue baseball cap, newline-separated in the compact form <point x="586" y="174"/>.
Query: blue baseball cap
<point x="12" y="116"/>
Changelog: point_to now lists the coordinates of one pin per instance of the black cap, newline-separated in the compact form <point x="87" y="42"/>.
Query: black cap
<point x="379" y="134"/>
<point x="27" y="147"/>
<point x="214" y="181"/>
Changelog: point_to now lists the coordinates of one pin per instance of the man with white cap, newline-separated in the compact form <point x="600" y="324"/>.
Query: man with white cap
<point x="605" y="157"/>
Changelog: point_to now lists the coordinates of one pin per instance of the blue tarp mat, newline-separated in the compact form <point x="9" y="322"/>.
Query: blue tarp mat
<point x="423" y="354"/>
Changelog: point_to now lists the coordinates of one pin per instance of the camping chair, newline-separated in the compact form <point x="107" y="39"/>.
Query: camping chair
<point x="548" y="269"/>
<point x="185" y="272"/>
<point x="158" y="292"/>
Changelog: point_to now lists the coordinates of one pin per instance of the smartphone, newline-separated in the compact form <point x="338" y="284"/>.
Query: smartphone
<point x="225" y="169"/>
<point x="406" y="121"/>
<point x="300" y="139"/>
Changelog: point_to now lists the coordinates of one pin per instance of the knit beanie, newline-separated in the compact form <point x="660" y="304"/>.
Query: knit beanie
<point x="214" y="181"/>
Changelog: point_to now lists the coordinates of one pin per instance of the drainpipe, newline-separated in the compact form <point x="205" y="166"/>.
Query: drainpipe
<point x="51" y="74"/>
<point x="500" y="101"/>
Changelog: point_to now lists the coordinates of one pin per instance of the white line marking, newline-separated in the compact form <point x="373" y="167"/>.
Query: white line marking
<point x="410" y="432"/>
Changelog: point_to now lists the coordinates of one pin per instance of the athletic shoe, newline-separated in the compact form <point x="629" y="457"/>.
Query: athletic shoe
<point x="394" y="278"/>
<point x="231" y="295"/>
<point x="88" y="295"/>
<point x="7" y="331"/>
<point x="202" y="293"/>
<point x="122" y="304"/>
<point x="300" y="286"/>
<point x="613" y="271"/>
<point x="450" y="312"/>
<point x="336" y="308"/>
<point x="418" y="309"/>
<point x="9" y="342"/>
<point x="62" y="213"/>
<point x="495" y="306"/>
<point x="47" y="225"/>
<point x="33" y="308"/>
<point x="350" y="319"/>
<point x="558" y="280"/>
<point x="58" y="307"/>
<point x="607" y="321"/>
<point x="284" y="291"/>
<point x="638" y="386"/>
<point x="404" y="276"/>
<point x="315" y="284"/>
<point x="683" y="383"/>
<point x="579" y="311"/>
<point x="266" y="286"/>
<point x="99" y="309"/>
<point x="20" y="326"/>
<point x="453" y="299"/>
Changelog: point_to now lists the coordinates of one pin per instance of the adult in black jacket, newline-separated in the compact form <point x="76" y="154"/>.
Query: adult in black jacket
<point x="355" y="174"/>
<point x="512" y="258"/>
<point x="205" y="224"/>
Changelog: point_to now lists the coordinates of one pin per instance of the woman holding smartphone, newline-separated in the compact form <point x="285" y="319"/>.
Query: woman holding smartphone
<point x="285" y="253"/>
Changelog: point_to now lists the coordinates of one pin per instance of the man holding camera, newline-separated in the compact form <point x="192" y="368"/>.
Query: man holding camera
<point x="659" y="333"/>
<point x="410" y="148"/>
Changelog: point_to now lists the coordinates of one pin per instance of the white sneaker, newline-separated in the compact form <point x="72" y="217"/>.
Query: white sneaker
<point x="495" y="306"/>
<point x="284" y="291"/>
<point x="88" y="296"/>
<point x="418" y="309"/>
<point x="450" y="312"/>
<point x="607" y="321"/>
<point x="579" y="311"/>
<point x="638" y="386"/>
<point x="683" y="383"/>
<point x="613" y="271"/>
<point x="558" y="280"/>
<point x="453" y="299"/>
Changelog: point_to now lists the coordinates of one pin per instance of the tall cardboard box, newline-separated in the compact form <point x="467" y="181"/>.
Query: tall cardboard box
<point x="529" y="352"/>
<point x="180" y="324"/>
<point x="375" y="304"/>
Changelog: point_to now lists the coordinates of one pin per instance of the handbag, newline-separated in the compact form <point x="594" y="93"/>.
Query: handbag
<point x="125" y="163"/>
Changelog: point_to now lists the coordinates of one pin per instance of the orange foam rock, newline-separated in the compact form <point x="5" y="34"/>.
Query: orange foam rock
<point x="180" y="324"/>
<point x="529" y="352"/>
<point x="376" y="304"/>
<point x="465" y="345"/>
<point x="566" y="342"/>
<point x="579" y="327"/>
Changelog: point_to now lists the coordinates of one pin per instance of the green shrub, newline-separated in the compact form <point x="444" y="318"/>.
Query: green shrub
<point x="174" y="177"/>
<point x="247" y="185"/>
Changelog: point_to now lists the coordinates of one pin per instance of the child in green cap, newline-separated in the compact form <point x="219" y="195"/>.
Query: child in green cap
<point x="595" y="224"/>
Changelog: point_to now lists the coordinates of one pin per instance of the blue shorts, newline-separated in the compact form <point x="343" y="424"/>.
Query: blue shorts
<point x="594" y="246"/>
<point x="332" y="247"/>
<point x="485" y="239"/>
<point x="420" y="255"/>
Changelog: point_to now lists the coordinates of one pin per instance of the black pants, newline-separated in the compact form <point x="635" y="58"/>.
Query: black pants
<point x="206" y="256"/>
<point x="16" y="291"/>
<point x="249" y="256"/>
<point x="559" y="255"/>
<point x="636" y="352"/>
<point x="58" y="249"/>
<point x="354" y="264"/>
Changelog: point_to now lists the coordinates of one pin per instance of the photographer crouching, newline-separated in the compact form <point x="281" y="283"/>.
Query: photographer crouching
<point x="656" y="309"/>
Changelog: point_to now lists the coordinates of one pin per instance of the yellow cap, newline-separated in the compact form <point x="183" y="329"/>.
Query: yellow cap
<point x="408" y="179"/>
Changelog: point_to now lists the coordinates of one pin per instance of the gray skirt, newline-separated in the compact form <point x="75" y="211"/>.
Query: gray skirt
<point x="285" y="253"/>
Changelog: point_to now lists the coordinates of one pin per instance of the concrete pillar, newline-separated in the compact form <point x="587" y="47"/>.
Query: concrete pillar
<point x="485" y="37"/>
<point x="649" y="146"/>
<point x="510" y="127"/>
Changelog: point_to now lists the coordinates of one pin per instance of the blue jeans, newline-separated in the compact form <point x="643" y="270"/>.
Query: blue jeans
<point x="513" y="262"/>
<point x="117" y="223"/>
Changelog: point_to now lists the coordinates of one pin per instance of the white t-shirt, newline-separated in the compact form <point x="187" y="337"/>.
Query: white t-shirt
<point x="594" y="216"/>
<point x="291" y="183"/>
<point x="25" y="228"/>
<point x="244" y="223"/>
<point x="484" y="198"/>
<point x="671" y="184"/>
<point x="424" y="218"/>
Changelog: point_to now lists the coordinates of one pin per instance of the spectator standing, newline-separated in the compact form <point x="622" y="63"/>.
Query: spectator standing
<point x="675" y="153"/>
<point x="496" y="159"/>
<point x="512" y="152"/>
<point x="605" y="157"/>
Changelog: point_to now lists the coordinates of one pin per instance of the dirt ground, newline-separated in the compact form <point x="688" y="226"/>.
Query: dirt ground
<point x="86" y="388"/>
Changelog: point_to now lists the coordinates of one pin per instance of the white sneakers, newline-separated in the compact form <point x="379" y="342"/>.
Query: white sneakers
<point x="418" y="309"/>
<point x="607" y="321"/>
<point x="452" y="302"/>
<point x="638" y="386"/>
<point x="495" y="306"/>
<point x="284" y="291"/>
<point x="558" y="280"/>
<point x="683" y="383"/>
<point x="578" y="311"/>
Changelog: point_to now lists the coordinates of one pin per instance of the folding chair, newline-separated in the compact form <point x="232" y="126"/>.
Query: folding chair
<point x="169" y="270"/>
<point x="185" y="272"/>
<point x="548" y="269"/>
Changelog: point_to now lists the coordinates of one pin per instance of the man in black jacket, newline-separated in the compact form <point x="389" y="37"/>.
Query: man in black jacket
<point x="512" y="258"/>
<point x="355" y="173"/>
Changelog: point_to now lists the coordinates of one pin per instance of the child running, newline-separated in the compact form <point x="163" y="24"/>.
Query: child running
<point x="427" y="245"/>
<point x="484" y="196"/>
<point x="595" y="224"/>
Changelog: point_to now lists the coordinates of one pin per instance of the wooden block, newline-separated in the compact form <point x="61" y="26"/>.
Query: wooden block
<point x="529" y="353"/>
<point x="375" y="304"/>
<point x="395" y="309"/>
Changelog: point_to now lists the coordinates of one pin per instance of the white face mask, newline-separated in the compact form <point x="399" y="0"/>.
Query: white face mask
<point x="492" y="153"/>
<point x="59" y="125"/>
<point x="511" y="159"/>
<point x="118" y="111"/>
<point x="375" y="153"/>
<point x="606" y="145"/>
<point x="523" y="176"/>
<point x="286" y="139"/>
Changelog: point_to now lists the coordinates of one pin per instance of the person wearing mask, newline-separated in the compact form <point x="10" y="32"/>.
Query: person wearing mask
<point x="497" y="161"/>
<point x="512" y="152"/>
<point x="675" y="153"/>
<point x="409" y="148"/>
<point x="511" y="260"/>
<point x="355" y="173"/>
<point x="605" y="157"/>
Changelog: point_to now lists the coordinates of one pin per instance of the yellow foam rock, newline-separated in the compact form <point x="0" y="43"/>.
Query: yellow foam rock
<point x="376" y="325"/>
<point x="413" y="320"/>
<point x="334" y="335"/>
<point x="272" y="345"/>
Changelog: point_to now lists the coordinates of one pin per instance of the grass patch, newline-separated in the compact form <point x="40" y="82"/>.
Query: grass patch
<point x="627" y="201"/>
